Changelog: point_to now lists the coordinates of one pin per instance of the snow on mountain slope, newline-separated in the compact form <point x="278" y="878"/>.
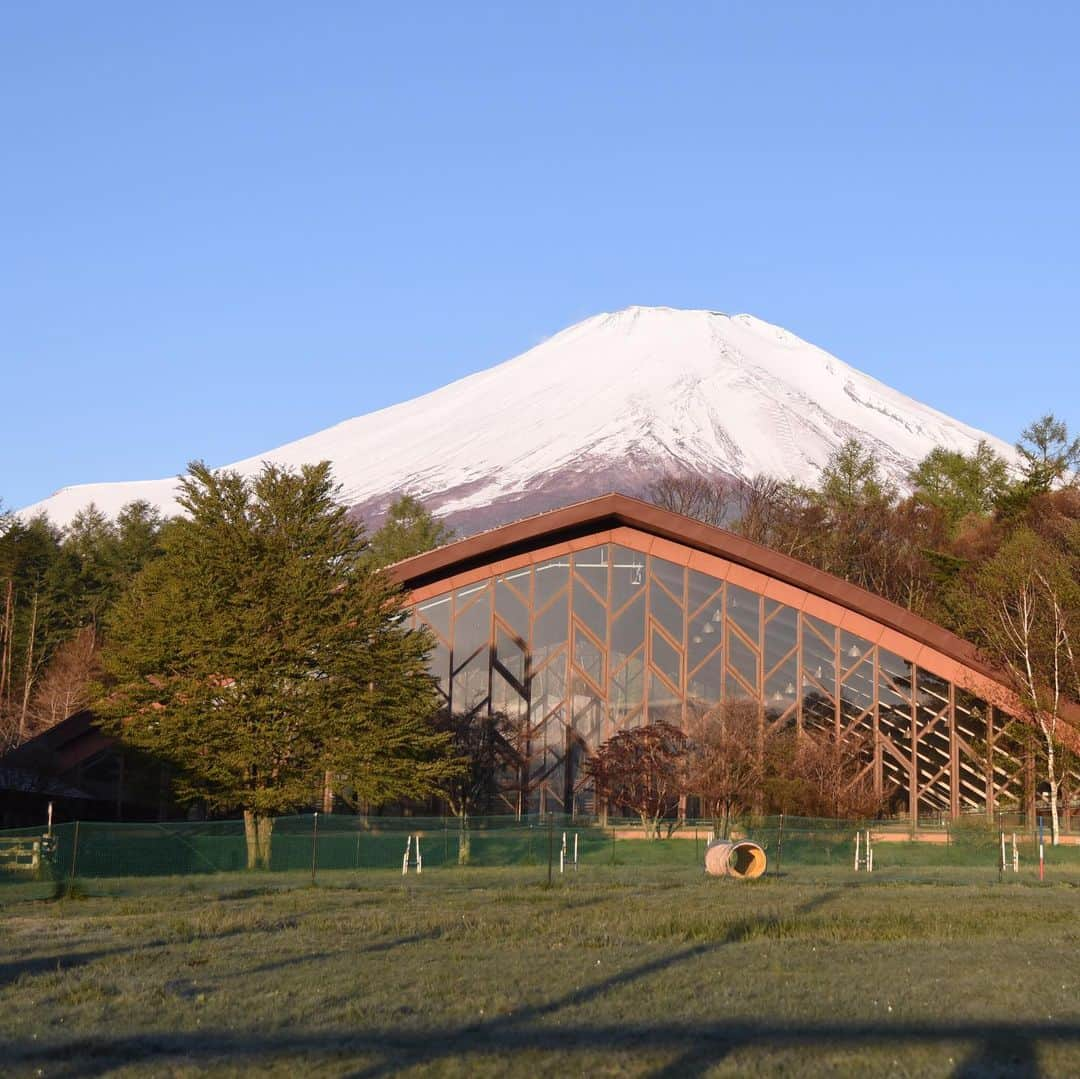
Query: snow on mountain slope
<point x="606" y="404"/>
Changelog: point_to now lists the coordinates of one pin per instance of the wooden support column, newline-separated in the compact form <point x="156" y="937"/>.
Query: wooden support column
<point x="879" y="764"/>
<point x="913" y="764"/>
<point x="954" y="757"/>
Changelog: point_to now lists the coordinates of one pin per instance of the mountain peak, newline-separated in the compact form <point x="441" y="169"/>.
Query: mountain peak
<point x="609" y="403"/>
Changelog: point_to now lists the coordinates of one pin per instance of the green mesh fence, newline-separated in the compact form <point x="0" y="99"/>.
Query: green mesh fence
<point x="100" y="857"/>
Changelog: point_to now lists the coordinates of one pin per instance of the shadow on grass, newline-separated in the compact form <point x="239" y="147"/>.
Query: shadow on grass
<point x="996" y="1049"/>
<point x="13" y="969"/>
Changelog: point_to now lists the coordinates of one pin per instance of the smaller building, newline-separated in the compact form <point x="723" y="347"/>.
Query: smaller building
<point x="84" y="774"/>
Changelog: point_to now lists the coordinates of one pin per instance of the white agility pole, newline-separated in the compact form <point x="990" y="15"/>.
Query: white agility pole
<point x="406" y="860"/>
<point x="864" y="858"/>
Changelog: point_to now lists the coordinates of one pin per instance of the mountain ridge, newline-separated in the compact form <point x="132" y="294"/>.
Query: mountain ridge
<point x="609" y="403"/>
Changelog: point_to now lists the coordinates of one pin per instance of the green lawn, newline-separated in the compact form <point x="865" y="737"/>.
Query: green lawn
<point x="625" y="970"/>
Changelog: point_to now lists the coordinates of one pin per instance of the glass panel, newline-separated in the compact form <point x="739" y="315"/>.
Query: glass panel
<point x="1008" y="755"/>
<point x="664" y="704"/>
<point x="439" y="667"/>
<point x="548" y="687"/>
<point x="472" y="629"/>
<point x="471" y="685"/>
<point x="550" y="628"/>
<point x="592" y="565"/>
<point x="894" y="705"/>
<point x="666" y="659"/>
<point x="971" y="730"/>
<point x="506" y="700"/>
<point x="706" y="683"/>
<point x="742" y="660"/>
<point x="628" y="631"/>
<point x="734" y="690"/>
<point x="852" y="649"/>
<point x="857" y="693"/>
<point x="819" y="656"/>
<point x="436" y="612"/>
<point x="626" y="685"/>
<point x="781" y="686"/>
<point x="468" y="594"/>
<point x="511" y="655"/>
<point x="781" y="635"/>
<point x="588" y="714"/>
<point x="702" y="589"/>
<point x="511" y="609"/>
<point x="549" y="578"/>
<point x="627" y="575"/>
<point x="705" y="638"/>
<point x="589" y="658"/>
<point x="666" y="611"/>
<point x="591" y="612"/>
<point x="744" y="609"/>
<point x="932" y="747"/>
<point x="669" y="575"/>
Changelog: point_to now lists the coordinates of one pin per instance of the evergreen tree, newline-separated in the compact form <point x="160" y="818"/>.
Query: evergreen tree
<point x="961" y="485"/>
<point x="409" y="529"/>
<point x="1050" y="456"/>
<point x="263" y="650"/>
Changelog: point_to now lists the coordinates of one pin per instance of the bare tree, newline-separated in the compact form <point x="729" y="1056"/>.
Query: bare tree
<point x="641" y="770"/>
<point x="693" y="495"/>
<point x="828" y="776"/>
<point x="64" y="688"/>
<point x="1023" y="609"/>
<point x="480" y="746"/>
<point x="725" y="760"/>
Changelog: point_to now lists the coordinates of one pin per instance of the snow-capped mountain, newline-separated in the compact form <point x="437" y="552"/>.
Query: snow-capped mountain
<point x="608" y="404"/>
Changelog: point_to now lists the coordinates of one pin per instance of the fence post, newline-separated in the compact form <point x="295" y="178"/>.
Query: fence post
<point x="74" y="853"/>
<point x="314" y="843"/>
<point x="779" y="844"/>
<point x="551" y="846"/>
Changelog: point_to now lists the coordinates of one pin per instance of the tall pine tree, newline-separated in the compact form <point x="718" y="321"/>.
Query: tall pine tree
<point x="263" y="651"/>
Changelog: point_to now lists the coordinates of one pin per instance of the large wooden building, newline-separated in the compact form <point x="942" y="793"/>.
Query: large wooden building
<point x="613" y="613"/>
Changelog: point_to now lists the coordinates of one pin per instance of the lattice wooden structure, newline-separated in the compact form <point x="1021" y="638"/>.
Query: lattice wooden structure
<point x="613" y="613"/>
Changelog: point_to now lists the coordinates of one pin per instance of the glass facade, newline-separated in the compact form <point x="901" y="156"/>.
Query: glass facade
<point x="572" y="649"/>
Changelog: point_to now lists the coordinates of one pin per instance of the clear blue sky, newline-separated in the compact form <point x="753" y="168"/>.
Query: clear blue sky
<point x="224" y="226"/>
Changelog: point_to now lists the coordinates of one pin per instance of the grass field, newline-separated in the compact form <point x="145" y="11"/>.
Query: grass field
<point x="631" y="970"/>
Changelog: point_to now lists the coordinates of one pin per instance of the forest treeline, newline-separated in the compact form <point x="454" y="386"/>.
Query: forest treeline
<point x="922" y="548"/>
<point x="985" y="547"/>
<point x="57" y="587"/>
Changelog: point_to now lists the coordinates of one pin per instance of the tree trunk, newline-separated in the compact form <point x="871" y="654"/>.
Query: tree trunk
<point x="28" y="678"/>
<point x="257" y="830"/>
<point x="1051" y="775"/>
<point x="463" y="839"/>
<point x="266" y="827"/>
<point x="251" y="839"/>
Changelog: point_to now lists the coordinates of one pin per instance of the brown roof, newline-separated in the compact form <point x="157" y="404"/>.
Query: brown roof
<point x="616" y="510"/>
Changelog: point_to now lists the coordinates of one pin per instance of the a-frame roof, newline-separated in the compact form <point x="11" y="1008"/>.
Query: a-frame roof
<point x="616" y="510"/>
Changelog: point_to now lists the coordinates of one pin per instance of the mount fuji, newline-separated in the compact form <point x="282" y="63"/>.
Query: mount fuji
<point x="610" y="403"/>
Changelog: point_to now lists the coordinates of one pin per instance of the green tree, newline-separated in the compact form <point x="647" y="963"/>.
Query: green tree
<point x="263" y="651"/>
<point x="1022" y="608"/>
<point x="1050" y="457"/>
<point x="852" y="477"/>
<point x="959" y="484"/>
<point x="409" y="529"/>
